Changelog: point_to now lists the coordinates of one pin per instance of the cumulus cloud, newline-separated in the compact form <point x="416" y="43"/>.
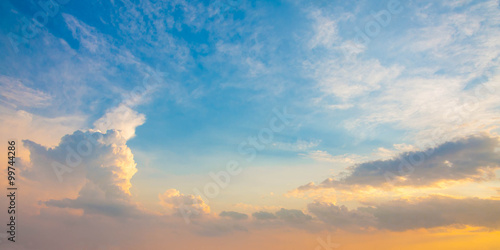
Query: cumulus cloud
<point x="101" y="162"/>
<point x="122" y="118"/>
<point x="286" y="218"/>
<point x="401" y="215"/>
<point x="293" y="215"/>
<point x="184" y="205"/>
<point x="93" y="200"/>
<point x="468" y="159"/>
<point x="340" y="216"/>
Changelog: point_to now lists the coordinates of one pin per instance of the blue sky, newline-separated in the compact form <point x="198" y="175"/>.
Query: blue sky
<point x="210" y="100"/>
<point x="186" y="82"/>
<point x="225" y="66"/>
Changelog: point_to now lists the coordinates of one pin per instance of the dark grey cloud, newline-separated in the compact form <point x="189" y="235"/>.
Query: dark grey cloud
<point x="263" y="215"/>
<point x="233" y="215"/>
<point x="468" y="159"/>
<point x="341" y="216"/>
<point x="293" y="215"/>
<point x="437" y="211"/>
<point x="401" y="215"/>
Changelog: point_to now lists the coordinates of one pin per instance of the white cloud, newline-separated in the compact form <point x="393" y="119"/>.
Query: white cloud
<point x="20" y="125"/>
<point x="323" y="156"/>
<point x="121" y="118"/>
<point x="432" y="110"/>
<point x="16" y="93"/>
<point x="100" y="162"/>
<point x="88" y="37"/>
<point x="340" y="106"/>
<point x="385" y="153"/>
<point x="183" y="205"/>
<point x="299" y="145"/>
<point x="434" y="91"/>
<point x="325" y="31"/>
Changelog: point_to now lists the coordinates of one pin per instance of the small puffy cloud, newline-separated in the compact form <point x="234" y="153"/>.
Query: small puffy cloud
<point x="286" y="218"/>
<point x="184" y="205"/>
<point x="263" y="215"/>
<point x="233" y="215"/>
<point x="121" y="118"/>
<point x="293" y="215"/>
<point x="340" y="216"/>
<point x="468" y="159"/>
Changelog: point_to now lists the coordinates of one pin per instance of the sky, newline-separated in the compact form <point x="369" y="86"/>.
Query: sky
<point x="241" y="124"/>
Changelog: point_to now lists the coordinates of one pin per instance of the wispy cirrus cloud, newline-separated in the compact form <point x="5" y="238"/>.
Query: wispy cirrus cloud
<point x="452" y="64"/>
<point x="14" y="92"/>
<point x="299" y="145"/>
<point x="323" y="156"/>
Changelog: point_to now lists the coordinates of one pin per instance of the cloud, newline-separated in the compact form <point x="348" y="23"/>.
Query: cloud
<point x="349" y="79"/>
<point x="299" y="145"/>
<point x="400" y="215"/>
<point x="183" y="205"/>
<point x="289" y="216"/>
<point x="436" y="211"/>
<point x="337" y="70"/>
<point x="325" y="30"/>
<point x="101" y="163"/>
<point x="469" y="159"/>
<point x="263" y="215"/>
<point x="323" y="156"/>
<point x="93" y="200"/>
<point x="450" y="56"/>
<point x="156" y="36"/>
<point x="20" y="124"/>
<point x="14" y="92"/>
<point x="88" y="36"/>
<point x="293" y="216"/>
<point x="121" y="118"/>
<point x="341" y="216"/>
<point x="233" y="215"/>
